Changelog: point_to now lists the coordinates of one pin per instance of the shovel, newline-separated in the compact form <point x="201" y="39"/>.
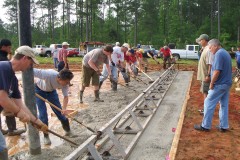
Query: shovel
<point x="68" y="115"/>
<point x="145" y="75"/>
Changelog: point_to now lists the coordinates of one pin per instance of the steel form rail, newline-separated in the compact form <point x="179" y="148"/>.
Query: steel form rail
<point x="158" y="88"/>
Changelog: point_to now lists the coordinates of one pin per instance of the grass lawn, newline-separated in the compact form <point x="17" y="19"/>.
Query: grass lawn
<point x="78" y="60"/>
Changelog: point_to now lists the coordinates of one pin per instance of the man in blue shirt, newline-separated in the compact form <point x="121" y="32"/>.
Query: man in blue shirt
<point x="221" y="81"/>
<point x="10" y="97"/>
<point x="5" y="53"/>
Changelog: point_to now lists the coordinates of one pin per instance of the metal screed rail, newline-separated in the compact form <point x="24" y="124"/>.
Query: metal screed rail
<point x="128" y="124"/>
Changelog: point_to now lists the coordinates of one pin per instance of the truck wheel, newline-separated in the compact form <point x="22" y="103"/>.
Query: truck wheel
<point x="48" y="54"/>
<point x="176" y="56"/>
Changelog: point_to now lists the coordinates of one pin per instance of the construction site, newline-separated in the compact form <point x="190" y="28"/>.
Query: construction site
<point x="152" y="118"/>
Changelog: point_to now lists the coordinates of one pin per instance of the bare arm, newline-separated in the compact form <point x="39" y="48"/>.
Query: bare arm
<point x="92" y="65"/>
<point x="26" y="113"/>
<point x="20" y="104"/>
<point x="208" y="78"/>
<point x="214" y="78"/>
<point x="7" y="103"/>
<point x="65" y="59"/>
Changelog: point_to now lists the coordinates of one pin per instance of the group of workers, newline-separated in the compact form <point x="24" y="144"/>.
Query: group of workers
<point x="120" y="58"/>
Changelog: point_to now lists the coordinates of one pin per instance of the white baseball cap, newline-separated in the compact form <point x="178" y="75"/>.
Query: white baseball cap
<point x="117" y="44"/>
<point x="65" y="44"/>
<point x="27" y="51"/>
<point x="126" y="45"/>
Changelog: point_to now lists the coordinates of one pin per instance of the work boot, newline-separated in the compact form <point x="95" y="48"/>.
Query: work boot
<point x="114" y="86"/>
<point x="100" y="84"/>
<point x="97" y="99"/>
<point x="81" y="96"/>
<point x="16" y="132"/>
<point x="145" y="69"/>
<point x="4" y="154"/>
<point x="126" y="81"/>
<point x="65" y="125"/>
<point x="46" y="139"/>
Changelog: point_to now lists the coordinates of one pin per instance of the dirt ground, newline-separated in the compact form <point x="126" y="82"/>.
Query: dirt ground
<point x="192" y="145"/>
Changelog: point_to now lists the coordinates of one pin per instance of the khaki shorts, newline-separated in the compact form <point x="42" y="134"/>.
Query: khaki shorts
<point x="87" y="74"/>
<point x="204" y="87"/>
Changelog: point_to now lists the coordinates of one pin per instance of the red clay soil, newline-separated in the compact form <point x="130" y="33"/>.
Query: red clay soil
<point x="213" y="145"/>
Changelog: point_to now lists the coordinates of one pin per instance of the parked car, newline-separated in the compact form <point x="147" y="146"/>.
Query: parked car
<point x="73" y="52"/>
<point x="58" y="46"/>
<point x="42" y="50"/>
<point x="191" y="52"/>
<point x="150" y="47"/>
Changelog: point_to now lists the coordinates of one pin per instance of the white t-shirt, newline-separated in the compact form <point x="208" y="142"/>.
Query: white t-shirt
<point x="55" y="53"/>
<point x="117" y="55"/>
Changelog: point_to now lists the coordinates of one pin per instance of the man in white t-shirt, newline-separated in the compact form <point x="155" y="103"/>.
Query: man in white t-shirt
<point x="55" y="56"/>
<point x="115" y="63"/>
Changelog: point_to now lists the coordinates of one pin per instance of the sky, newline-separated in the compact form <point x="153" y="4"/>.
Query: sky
<point x="3" y="11"/>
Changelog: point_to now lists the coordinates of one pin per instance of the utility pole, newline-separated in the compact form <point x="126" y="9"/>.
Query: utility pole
<point x="25" y="38"/>
<point x="238" y="34"/>
<point x="218" y="19"/>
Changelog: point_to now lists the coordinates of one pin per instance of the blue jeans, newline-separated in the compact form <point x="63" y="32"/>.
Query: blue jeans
<point x="220" y="93"/>
<point x="2" y="142"/>
<point x="55" y="60"/>
<point x="61" y="65"/>
<point x="42" y="109"/>
<point x="105" y="73"/>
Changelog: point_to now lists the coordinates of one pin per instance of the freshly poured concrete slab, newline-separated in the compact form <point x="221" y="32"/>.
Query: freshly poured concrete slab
<point x="155" y="143"/>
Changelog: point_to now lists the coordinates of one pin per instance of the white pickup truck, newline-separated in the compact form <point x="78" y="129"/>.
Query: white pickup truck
<point x="42" y="50"/>
<point x="191" y="52"/>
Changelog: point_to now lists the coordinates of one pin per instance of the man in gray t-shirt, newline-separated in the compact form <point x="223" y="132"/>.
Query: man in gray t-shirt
<point x="90" y="63"/>
<point x="48" y="81"/>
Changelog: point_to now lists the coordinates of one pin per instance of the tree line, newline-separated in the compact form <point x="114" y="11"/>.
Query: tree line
<point x="156" y="22"/>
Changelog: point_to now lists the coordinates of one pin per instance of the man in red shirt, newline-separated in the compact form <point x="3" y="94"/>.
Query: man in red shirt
<point x="166" y="56"/>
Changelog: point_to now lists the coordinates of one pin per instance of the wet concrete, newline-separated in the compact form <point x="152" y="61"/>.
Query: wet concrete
<point x="90" y="113"/>
<point x="155" y="143"/>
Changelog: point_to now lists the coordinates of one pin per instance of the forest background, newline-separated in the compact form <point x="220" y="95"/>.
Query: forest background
<point x="156" y="22"/>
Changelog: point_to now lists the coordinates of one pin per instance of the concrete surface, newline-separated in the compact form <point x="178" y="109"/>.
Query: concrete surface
<point x="155" y="143"/>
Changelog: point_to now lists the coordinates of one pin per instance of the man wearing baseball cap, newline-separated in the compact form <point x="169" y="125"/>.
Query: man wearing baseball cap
<point x="62" y="57"/>
<point x="204" y="66"/>
<point x="10" y="96"/>
<point x="5" y="55"/>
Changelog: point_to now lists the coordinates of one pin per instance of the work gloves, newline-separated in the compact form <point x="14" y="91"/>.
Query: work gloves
<point x="99" y="72"/>
<point x="40" y="125"/>
<point x="123" y="70"/>
<point x="113" y="64"/>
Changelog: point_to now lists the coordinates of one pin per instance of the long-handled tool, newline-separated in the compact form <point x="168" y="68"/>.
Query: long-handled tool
<point x="73" y="118"/>
<point x="145" y="74"/>
<point x="121" y="84"/>
<point x="138" y="79"/>
<point x="58" y="135"/>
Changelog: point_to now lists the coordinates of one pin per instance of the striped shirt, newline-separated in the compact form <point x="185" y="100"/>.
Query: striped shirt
<point x="61" y="54"/>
